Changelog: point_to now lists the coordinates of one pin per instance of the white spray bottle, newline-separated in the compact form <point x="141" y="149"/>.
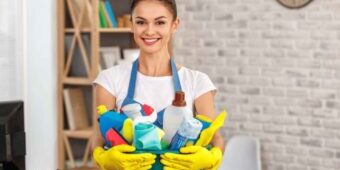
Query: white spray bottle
<point x="174" y="115"/>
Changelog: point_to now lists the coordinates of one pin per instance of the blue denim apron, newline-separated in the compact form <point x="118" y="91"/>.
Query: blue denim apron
<point x="129" y="99"/>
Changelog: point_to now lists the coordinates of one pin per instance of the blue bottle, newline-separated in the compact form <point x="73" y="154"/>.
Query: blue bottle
<point x="189" y="130"/>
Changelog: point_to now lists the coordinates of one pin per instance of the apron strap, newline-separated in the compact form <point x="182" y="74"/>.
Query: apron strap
<point x="177" y="83"/>
<point x="133" y="78"/>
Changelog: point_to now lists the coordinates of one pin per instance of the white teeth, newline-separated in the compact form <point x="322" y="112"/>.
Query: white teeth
<point x="150" y="40"/>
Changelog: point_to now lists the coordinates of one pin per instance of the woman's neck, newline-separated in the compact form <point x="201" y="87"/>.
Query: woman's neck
<point x="155" y="65"/>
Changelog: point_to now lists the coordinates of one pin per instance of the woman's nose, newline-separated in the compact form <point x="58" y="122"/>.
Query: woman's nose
<point x="150" y="30"/>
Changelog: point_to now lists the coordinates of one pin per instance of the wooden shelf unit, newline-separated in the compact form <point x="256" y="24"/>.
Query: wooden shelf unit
<point x="102" y="30"/>
<point x="115" y="30"/>
<point x="69" y="24"/>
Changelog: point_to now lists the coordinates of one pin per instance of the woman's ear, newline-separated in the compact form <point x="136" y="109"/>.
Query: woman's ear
<point x="175" y="25"/>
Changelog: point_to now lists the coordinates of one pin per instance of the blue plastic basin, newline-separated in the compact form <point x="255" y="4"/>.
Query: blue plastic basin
<point x="158" y="165"/>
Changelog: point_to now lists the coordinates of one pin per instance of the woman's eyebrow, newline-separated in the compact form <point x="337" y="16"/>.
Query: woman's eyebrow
<point x="138" y="17"/>
<point x="160" y="17"/>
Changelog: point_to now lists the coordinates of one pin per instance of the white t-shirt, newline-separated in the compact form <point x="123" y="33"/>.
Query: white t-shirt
<point x="157" y="92"/>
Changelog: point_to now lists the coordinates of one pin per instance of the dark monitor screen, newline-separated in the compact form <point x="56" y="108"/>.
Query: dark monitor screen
<point x="12" y="135"/>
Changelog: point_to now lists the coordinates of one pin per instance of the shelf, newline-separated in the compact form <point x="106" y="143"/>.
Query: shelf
<point x="72" y="30"/>
<point x="69" y="15"/>
<point x="80" y="134"/>
<point x="77" y="81"/>
<point x="85" y="168"/>
<point x="79" y="163"/>
<point x="102" y="30"/>
<point x="115" y="30"/>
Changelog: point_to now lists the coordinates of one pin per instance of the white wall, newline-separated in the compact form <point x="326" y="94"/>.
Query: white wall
<point x="10" y="51"/>
<point x="40" y="80"/>
<point x="277" y="71"/>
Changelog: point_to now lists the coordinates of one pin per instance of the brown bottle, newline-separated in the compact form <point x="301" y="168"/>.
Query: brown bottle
<point x="179" y="100"/>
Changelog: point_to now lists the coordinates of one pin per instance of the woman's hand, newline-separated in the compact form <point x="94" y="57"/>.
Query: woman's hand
<point x="192" y="158"/>
<point x="116" y="158"/>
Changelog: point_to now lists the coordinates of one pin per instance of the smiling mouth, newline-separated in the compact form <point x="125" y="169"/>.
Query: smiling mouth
<point x="150" y="41"/>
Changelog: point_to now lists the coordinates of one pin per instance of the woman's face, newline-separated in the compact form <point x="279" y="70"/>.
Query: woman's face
<point x="152" y="26"/>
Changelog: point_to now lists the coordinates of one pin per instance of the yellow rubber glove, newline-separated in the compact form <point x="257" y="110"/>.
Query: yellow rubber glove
<point x="116" y="159"/>
<point x="192" y="158"/>
<point x="127" y="130"/>
<point x="208" y="133"/>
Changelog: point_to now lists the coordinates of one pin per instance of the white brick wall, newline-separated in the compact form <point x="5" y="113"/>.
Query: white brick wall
<point x="277" y="71"/>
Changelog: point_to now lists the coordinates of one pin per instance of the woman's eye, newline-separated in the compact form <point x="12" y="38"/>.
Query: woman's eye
<point x="160" y="23"/>
<point x="139" y="22"/>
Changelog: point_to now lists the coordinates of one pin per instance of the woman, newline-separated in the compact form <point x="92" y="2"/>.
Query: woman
<point x="153" y="24"/>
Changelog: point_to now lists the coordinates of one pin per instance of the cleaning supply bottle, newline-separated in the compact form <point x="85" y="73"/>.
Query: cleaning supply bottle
<point x="189" y="130"/>
<point x="174" y="115"/>
<point x="134" y="111"/>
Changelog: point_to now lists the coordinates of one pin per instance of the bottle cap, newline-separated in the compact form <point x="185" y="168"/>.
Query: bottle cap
<point x="101" y="109"/>
<point x="179" y="99"/>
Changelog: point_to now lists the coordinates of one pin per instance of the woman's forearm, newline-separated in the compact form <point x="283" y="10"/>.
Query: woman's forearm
<point x="218" y="141"/>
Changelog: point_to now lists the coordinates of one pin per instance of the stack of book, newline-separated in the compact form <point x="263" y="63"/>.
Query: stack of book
<point x="111" y="56"/>
<point x="107" y="17"/>
<point x="75" y="106"/>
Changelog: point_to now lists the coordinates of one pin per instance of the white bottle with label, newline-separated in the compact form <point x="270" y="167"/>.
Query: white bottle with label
<point x="174" y="115"/>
